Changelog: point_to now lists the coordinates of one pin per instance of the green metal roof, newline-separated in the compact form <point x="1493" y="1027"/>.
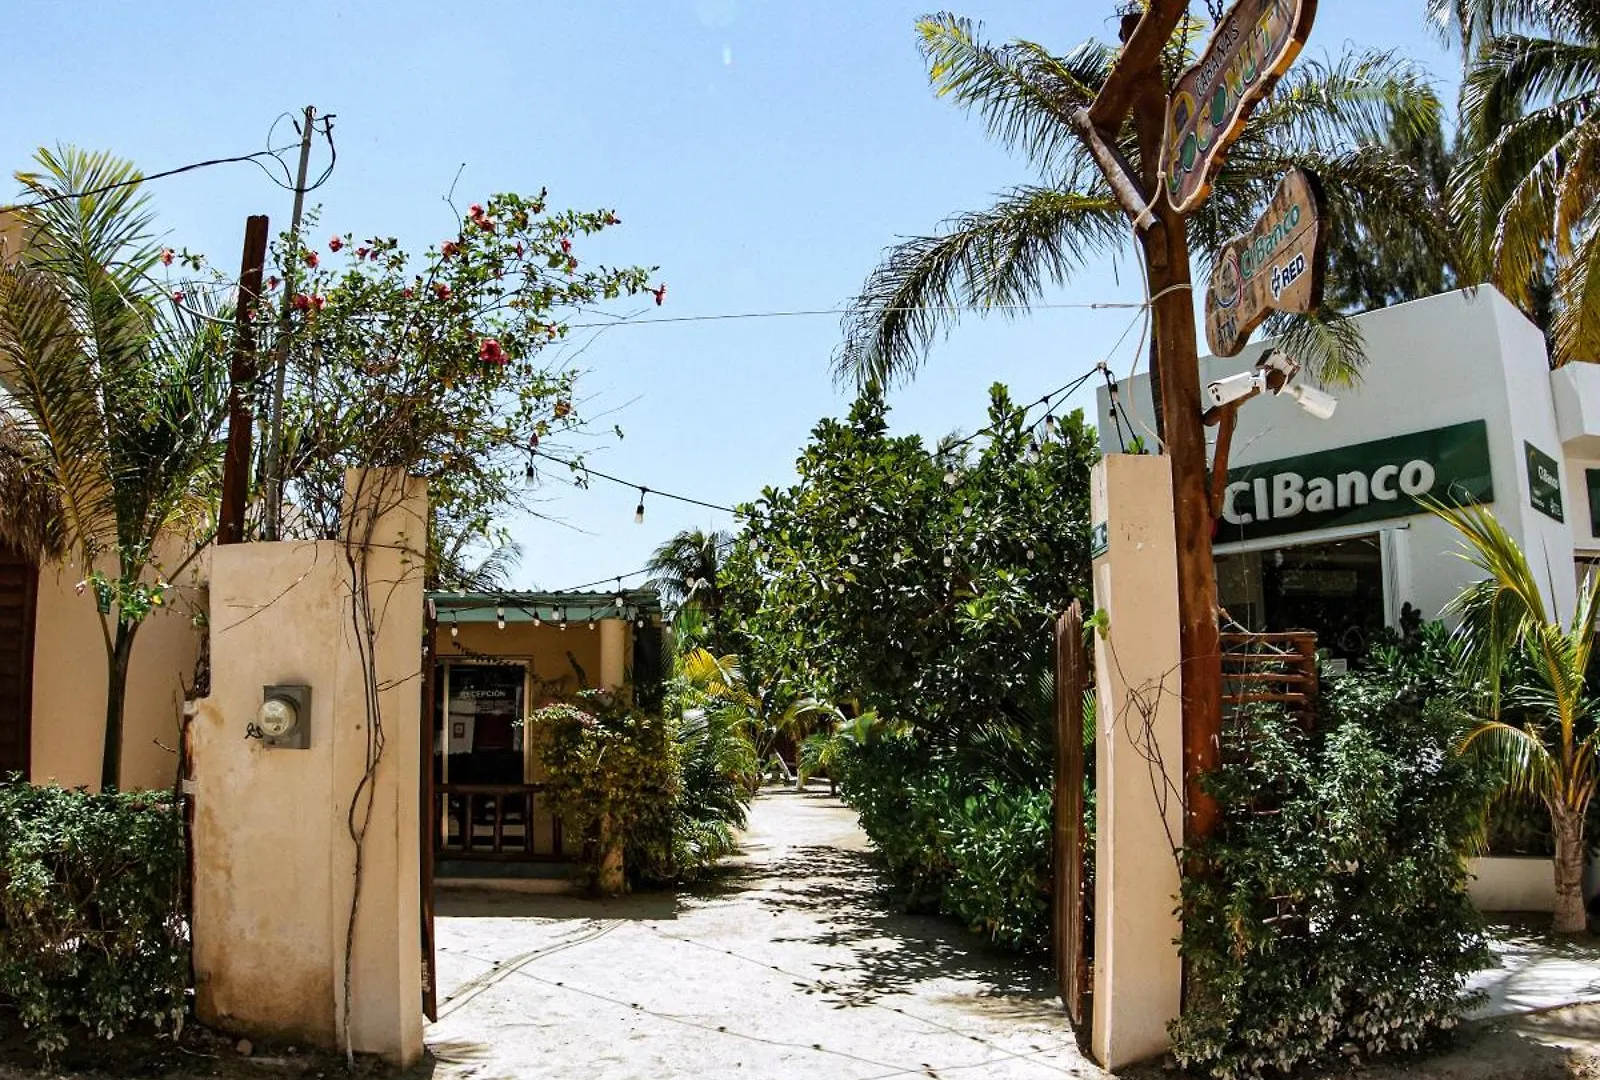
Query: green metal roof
<point x="521" y="607"/>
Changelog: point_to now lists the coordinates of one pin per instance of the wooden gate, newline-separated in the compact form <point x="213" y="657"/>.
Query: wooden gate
<point x="425" y="814"/>
<point x="1073" y="907"/>
<point x="19" y="580"/>
<point x="1278" y="669"/>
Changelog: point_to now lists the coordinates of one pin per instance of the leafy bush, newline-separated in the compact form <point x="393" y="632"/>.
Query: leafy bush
<point x="611" y="775"/>
<point x="714" y="757"/>
<point x="956" y="838"/>
<point x="1330" y="916"/>
<point x="91" y="914"/>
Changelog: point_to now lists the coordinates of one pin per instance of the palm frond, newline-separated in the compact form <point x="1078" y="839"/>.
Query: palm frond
<point x="999" y="259"/>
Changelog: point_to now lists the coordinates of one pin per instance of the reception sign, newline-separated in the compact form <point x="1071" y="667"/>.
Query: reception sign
<point x="1252" y="45"/>
<point x="1276" y="266"/>
<point x="1350" y="485"/>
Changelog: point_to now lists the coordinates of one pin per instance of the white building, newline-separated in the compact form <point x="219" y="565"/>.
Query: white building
<point x="1322" y="529"/>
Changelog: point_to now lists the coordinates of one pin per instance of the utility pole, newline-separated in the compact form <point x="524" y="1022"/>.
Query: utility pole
<point x="272" y="517"/>
<point x="1137" y="86"/>
<point x="242" y="373"/>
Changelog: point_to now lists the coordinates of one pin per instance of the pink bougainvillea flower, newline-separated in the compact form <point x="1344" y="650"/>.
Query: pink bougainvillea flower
<point x="335" y="243"/>
<point x="177" y="296"/>
<point x="566" y="246"/>
<point x="660" y="294"/>
<point x="442" y="291"/>
<point x="408" y="293"/>
<point x="518" y="249"/>
<point x="449" y="248"/>
<point x="272" y="283"/>
<point x="317" y="302"/>
<point x="167" y="255"/>
<point x="301" y="301"/>
<point x="475" y="210"/>
<point x="312" y="259"/>
<point x="490" y="352"/>
<point x="361" y="252"/>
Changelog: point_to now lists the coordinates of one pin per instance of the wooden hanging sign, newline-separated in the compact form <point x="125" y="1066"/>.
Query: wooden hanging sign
<point x="1252" y="45"/>
<point x="1276" y="266"/>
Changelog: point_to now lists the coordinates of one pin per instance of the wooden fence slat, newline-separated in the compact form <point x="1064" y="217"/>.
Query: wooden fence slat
<point x="1070" y="923"/>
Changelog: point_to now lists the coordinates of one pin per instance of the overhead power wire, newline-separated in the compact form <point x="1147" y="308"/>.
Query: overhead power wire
<point x="1095" y="305"/>
<point x="643" y="489"/>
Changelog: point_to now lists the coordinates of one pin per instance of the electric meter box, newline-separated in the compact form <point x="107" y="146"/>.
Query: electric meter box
<point x="285" y="717"/>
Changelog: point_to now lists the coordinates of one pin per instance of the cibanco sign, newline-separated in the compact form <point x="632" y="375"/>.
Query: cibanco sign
<point x="1349" y="485"/>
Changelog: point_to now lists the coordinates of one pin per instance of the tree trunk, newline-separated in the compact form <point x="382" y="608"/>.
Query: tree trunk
<point x="1570" y="916"/>
<point x="609" y="880"/>
<point x="116" y="700"/>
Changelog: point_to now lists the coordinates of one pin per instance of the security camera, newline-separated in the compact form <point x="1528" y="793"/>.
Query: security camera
<point x="1314" y="401"/>
<point x="1235" y="388"/>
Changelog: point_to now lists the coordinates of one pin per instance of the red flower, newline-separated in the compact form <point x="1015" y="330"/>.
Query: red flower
<point x="317" y="301"/>
<point x="660" y="294"/>
<point x="442" y="291"/>
<point x="566" y="245"/>
<point x="272" y="283"/>
<point x="361" y="253"/>
<point x="612" y="219"/>
<point x="334" y="244"/>
<point x="311" y="259"/>
<point x="177" y="296"/>
<point x="518" y="249"/>
<point x="490" y="352"/>
<point x="449" y="248"/>
<point x="408" y="293"/>
<point x="166" y="256"/>
<point x="301" y="301"/>
<point x="475" y="210"/>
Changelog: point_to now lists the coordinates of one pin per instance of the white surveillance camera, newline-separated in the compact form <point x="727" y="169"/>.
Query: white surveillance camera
<point x="1235" y="387"/>
<point x="1314" y="401"/>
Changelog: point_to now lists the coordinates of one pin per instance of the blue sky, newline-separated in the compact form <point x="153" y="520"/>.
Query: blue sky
<point x="761" y="153"/>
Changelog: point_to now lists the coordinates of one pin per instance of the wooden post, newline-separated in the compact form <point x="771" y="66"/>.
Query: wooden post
<point x="241" y="374"/>
<point x="1136" y="83"/>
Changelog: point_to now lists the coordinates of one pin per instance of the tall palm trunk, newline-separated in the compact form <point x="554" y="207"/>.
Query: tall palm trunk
<point x="116" y="698"/>
<point x="1570" y="916"/>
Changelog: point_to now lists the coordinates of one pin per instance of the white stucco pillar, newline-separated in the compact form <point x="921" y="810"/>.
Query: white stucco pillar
<point x="1138" y="758"/>
<point x="613" y="653"/>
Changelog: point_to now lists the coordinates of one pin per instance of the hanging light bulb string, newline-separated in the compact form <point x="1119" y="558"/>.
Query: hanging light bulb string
<point x="587" y="470"/>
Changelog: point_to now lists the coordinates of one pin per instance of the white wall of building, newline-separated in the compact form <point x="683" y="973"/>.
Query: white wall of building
<point x="1460" y="356"/>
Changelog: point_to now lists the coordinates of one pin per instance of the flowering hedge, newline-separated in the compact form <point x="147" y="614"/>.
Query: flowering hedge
<point x="91" y="912"/>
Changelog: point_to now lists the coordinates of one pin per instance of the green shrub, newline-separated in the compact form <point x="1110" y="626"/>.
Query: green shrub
<point x="714" y="758"/>
<point x="91" y="912"/>
<point x="958" y="835"/>
<point x="1330" y="918"/>
<point x="610" y="768"/>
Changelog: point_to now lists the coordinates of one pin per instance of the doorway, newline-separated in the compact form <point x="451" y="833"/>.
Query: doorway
<point x="19" y="585"/>
<point x="1334" y="588"/>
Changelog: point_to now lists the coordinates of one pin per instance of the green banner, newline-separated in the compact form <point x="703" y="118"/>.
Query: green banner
<point x="1544" y="481"/>
<point x="1350" y="485"/>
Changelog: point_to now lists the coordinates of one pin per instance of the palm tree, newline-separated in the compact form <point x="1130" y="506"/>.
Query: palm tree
<point x="685" y="571"/>
<point x="1526" y="195"/>
<point x="1331" y="118"/>
<point x="114" y="398"/>
<point x="1549" y="752"/>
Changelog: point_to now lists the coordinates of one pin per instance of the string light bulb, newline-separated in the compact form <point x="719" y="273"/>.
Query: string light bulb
<point x="530" y="478"/>
<point x="563" y="617"/>
<point x="591" y="622"/>
<point x="455" y="627"/>
<point x="500" y="618"/>
<point x="950" y="476"/>
<point x="1050" y="423"/>
<point x="638" y="511"/>
<point x="536" y="620"/>
<point x="619" y="592"/>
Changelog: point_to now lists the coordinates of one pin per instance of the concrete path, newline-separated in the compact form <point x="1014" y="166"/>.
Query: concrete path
<point x="791" y="964"/>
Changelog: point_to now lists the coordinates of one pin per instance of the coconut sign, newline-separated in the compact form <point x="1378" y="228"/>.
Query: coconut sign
<point x="1253" y="44"/>
<point x="1276" y="266"/>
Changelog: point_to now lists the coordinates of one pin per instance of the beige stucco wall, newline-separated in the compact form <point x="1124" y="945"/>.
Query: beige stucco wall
<point x="1513" y="883"/>
<point x="1138" y="760"/>
<point x="69" y="681"/>
<point x="274" y="859"/>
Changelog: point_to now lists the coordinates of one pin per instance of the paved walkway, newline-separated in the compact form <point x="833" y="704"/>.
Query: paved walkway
<point x="792" y="964"/>
<point x="1535" y="970"/>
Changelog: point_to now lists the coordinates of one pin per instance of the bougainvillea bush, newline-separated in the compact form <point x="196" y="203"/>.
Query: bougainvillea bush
<point x="1329" y="918"/>
<point x="455" y="363"/>
<point x="91" y="912"/>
